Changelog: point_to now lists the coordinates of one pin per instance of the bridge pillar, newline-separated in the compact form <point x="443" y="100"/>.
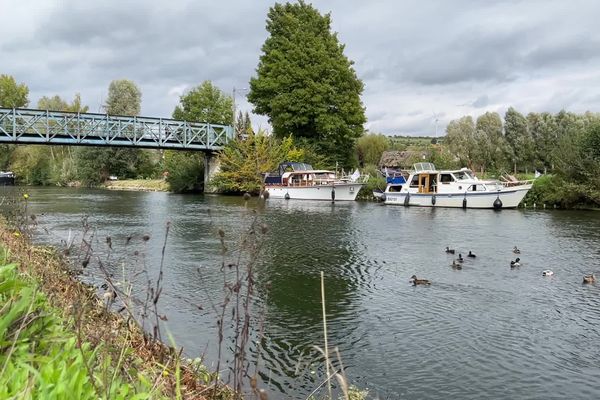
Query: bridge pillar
<point x="211" y="167"/>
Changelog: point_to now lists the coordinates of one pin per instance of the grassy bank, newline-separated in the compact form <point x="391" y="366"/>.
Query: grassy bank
<point x="58" y="339"/>
<point x="147" y="185"/>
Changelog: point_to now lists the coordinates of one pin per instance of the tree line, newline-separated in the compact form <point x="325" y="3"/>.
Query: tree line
<point x="309" y="91"/>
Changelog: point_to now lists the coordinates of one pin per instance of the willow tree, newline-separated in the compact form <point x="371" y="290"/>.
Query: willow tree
<point x="305" y="84"/>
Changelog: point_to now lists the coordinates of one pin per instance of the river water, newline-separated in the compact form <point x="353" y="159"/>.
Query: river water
<point x="486" y="331"/>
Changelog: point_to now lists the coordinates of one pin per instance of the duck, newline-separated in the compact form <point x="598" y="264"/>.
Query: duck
<point x="460" y="258"/>
<point x="516" y="250"/>
<point x="449" y="250"/>
<point x="589" y="278"/>
<point x="516" y="263"/>
<point x="547" y="272"/>
<point x="471" y="254"/>
<point x="456" y="265"/>
<point x="415" y="281"/>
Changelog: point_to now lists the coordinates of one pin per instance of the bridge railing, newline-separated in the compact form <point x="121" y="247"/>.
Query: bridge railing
<point x="27" y="126"/>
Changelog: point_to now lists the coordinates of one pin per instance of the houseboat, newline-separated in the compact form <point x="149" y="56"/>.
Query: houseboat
<point x="7" y="178"/>
<point x="295" y="180"/>
<point x="428" y="187"/>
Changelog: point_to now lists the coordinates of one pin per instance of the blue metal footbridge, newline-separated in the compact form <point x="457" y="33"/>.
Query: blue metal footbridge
<point x="27" y="126"/>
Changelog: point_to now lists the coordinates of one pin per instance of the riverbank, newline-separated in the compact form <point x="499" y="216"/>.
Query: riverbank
<point x="100" y="354"/>
<point x="144" y="185"/>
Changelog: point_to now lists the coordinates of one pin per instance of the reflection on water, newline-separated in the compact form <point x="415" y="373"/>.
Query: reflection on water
<point x="483" y="332"/>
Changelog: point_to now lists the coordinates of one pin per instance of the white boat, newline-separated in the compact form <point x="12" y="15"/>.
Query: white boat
<point x="428" y="187"/>
<point x="295" y="180"/>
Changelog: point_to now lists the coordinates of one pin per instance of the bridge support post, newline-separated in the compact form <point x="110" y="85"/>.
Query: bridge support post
<point x="211" y="167"/>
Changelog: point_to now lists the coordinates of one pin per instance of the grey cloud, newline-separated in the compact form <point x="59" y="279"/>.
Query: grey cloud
<point x="413" y="56"/>
<point x="481" y="101"/>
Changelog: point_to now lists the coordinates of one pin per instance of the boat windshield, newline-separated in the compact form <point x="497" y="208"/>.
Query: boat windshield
<point x="463" y="175"/>
<point x="423" y="166"/>
<point x="293" y="167"/>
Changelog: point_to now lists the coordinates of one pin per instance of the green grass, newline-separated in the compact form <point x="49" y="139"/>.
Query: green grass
<point x="42" y="357"/>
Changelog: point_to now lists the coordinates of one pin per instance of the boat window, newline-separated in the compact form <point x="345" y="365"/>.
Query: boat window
<point x="463" y="174"/>
<point x="415" y="181"/>
<point x="478" y="188"/>
<point x="446" y="178"/>
<point x="395" y="188"/>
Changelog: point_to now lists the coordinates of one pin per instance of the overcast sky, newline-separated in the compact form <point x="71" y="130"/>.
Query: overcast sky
<point x="416" y="58"/>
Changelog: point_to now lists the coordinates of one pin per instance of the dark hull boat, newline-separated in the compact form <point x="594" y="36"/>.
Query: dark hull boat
<point x="7" y="178"/>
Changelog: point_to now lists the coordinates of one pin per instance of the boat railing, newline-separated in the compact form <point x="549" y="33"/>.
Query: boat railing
<point x="510" y="181"/>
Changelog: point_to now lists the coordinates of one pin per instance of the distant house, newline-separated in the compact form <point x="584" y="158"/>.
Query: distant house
<point x="402" y="159"/>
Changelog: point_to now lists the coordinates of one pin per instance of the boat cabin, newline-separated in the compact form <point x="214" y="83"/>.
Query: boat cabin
<point x="299" y="175"/>
<point x="426" y="179"/>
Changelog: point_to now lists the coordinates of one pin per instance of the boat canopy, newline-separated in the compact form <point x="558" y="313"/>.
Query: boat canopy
<point x="294" y="166"/>
<point x="423" y="166"/>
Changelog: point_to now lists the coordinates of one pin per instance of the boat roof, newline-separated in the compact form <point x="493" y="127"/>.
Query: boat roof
<point x="429" y="167"/>
<point x="295" y="166"/>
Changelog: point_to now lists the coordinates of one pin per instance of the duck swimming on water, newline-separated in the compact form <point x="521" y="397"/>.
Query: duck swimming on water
<point x="415" y="281"/>
<point x="449" y="250"/>
<point x="516" y="250"/>
<point x="456" y="265"/>
<point x="460" y="258"/>
<point x="589" y="279"/>
<point x="516" y="263"/>
<point x="471" y="254"/>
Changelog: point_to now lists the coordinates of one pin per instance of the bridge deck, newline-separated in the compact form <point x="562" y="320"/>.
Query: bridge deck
<point x="26" y="126"/>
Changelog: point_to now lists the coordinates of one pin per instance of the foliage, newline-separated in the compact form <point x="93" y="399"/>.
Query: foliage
<point x="305" y="84"/>
<point x="205" y="103"/>
<point x="244" y="160"/>
<point x="95" y="165"/>
<point x="491" y="147"/>
<point x="185" y="170"/>
<point x="369" y="148"/>
<point x="518" y="137"/>
<point x="32" y="165"/>
<point x="39" y="356"/>
<point x="243" y="125"/>
<point x="124" y="98"/>
<point x="12" y="95"/>
<point x="376" y="181"/>
<point x="56" y="103"/>
<point x="461" y="140"/>
<point x="402" y="143"/>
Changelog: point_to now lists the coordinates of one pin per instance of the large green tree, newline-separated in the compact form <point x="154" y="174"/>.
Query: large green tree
<point x="369" y="148"/>
<point x="305" y="84"/>
<point x="243" y="161"/>
<point x="95" y="165"/>
<point x="205" y="103"/>
<point x="518" y="137"/>
<point x="12" y="95"/>
<point x="461" y="140"/>
<point x="491" y="144"/>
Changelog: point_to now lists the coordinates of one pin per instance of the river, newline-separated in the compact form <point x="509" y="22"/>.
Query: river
<point x="486" y="331"/>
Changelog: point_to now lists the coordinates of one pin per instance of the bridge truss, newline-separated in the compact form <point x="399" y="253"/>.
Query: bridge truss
<point x="26" y="126"/>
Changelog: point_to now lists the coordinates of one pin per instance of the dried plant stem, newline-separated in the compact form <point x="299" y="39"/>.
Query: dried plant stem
<point x="325" y="334"/>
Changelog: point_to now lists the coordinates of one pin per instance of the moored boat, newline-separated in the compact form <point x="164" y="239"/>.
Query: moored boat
<point x="428" y="187"/>
<point x="295" y="180"/>
<point x="7" y="178"/>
